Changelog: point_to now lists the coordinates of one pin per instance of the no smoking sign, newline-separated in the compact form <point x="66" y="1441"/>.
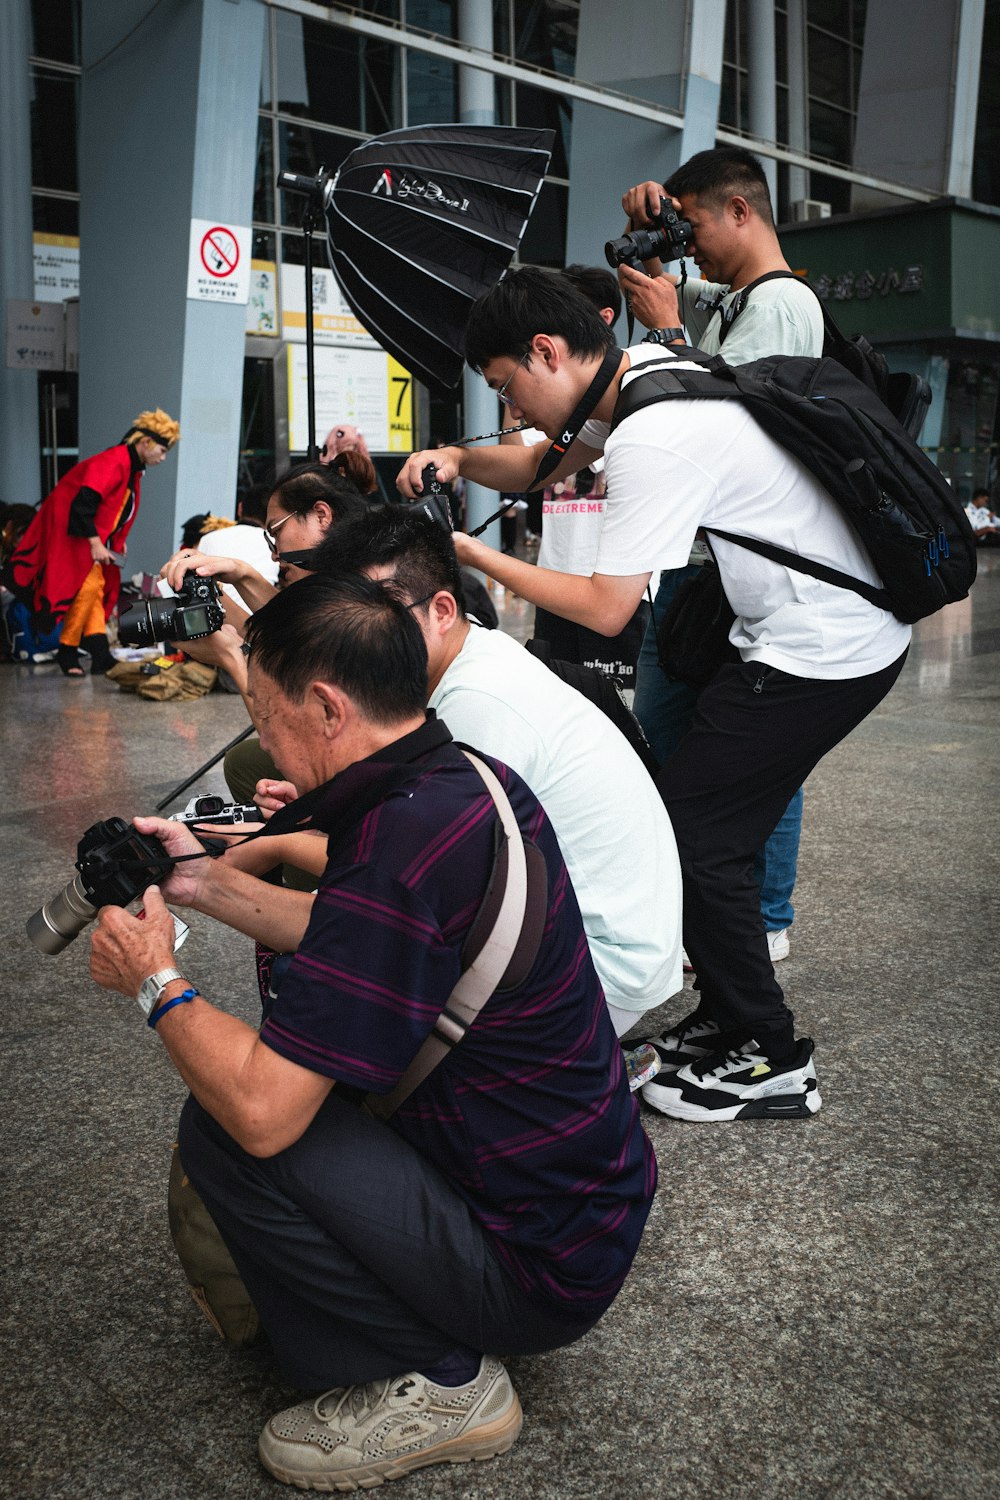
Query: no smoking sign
<point x="219" y="262"/>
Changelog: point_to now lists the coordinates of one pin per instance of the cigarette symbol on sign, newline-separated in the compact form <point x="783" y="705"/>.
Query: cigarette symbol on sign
<point x="220" y="253"/>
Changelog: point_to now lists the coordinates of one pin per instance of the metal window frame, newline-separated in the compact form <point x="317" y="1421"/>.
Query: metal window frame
<point x="583" y="92"/>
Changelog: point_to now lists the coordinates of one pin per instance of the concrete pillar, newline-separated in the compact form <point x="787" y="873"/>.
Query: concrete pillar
<point x="20" y="471"/>
<point x="762" y="83"/>
<point x="168" y="133"/>
<point x="671" y="54"/>
<point x="798" y="96"/>
<point x="918" y="96"/>
<point x="477" y="107"/>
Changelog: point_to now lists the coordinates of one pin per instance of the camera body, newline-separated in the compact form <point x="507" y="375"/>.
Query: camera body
<point x="216" y="810"/>
<point x="435" y="502"/>
<point x="116" y="863"/>
<point x="667" y="239"/>
<point x="194" y="611"/>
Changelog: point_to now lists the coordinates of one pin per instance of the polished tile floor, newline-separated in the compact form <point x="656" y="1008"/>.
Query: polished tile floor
<point x="814" y="1309"/>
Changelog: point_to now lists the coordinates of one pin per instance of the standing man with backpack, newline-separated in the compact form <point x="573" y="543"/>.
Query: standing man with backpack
<point x="750" y="306"/>
<point x="815" y="658"/>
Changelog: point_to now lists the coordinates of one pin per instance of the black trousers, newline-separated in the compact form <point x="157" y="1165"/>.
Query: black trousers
<point x="756" y="734"/>
<point x="362" y="1261"/>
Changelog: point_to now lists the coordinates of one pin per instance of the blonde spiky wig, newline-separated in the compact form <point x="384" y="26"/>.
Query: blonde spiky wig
<point x="156" y="425"/>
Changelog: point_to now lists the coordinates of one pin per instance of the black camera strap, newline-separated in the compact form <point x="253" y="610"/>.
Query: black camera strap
<point x="559" y="447"/>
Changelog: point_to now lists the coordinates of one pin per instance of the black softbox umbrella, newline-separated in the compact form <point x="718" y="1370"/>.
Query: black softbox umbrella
<point x="422" y="222"/>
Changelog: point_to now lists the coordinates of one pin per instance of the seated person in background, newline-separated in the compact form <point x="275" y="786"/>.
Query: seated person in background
<point x="611" y="824"/>
<point x="983" y="520"/>
<point x="501" y="1205"/>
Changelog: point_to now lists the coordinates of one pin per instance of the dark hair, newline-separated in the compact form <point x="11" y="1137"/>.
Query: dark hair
<point x="527" y="301"/>
<point x="300" y="489"/>
<point x="345" y="630"/>
<point x="192" y="529"/>
<point x="981" y="492"/>
<point x="252" y="507"/>
<point x="714" y="176"/>
<point x="421" y="553"/>
<point x="598" y="285"/>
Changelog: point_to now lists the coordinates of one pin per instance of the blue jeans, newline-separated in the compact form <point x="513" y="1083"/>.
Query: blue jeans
<point x="664" y="708"/>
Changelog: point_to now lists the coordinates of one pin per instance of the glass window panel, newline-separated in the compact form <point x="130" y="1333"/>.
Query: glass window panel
<point x="431" y="89"/>
<point x="835" y="15"/>
<point x="333" y="76"/>
<point x="832" y="190"/>
<point x="729" y="98"/>
<point x="293" y="249"/>
<point x="544" y="242"/>
<point x="541" y="109"/>
<point x="54" y="113"/>
<point x="263" y="188"/>
<point x="433" y="15"/>
<point x="829" y="69"/>
<point x="303" y="149"/>
<point x="545" y="33"/>
<point x="830" y="132"/>
<point x="55" y="215"/>
<point x="264" y="244"/>
<point x="502" y="22"/>
<point x="55" y="30"/>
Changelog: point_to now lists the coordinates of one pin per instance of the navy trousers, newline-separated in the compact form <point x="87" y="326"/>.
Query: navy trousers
<point x="362" y="1261"/>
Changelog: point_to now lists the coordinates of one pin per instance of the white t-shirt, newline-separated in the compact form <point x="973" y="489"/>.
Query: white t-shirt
<point x="612" y="827"/>
<point x="571" y="525"/>
<point x="679" y="465"/>
<point x="247" y="544"/>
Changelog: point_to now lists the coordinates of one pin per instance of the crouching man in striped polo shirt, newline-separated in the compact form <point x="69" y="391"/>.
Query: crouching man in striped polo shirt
<point x="500" y="1207"/>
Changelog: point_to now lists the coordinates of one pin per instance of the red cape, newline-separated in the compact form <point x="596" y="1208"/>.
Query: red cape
<point x="49" y="566"/>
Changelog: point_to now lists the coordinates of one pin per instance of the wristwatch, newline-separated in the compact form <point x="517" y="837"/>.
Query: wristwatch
<point x="152" y="988"/>
<point x="663" y="335"/>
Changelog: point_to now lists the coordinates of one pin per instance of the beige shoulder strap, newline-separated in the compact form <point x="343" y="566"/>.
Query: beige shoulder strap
<point x="480" y="979"/>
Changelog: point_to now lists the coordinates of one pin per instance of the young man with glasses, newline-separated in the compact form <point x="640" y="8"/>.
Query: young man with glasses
<point x="814" y="659"/>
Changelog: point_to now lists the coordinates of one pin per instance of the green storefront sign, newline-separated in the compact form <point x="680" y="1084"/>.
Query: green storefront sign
<point x="916" y="273"/>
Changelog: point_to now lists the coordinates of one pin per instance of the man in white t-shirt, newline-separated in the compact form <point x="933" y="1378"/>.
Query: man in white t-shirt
<point x="744" y="311"/>
<point x="609" y="819"/>
<point x="815" y="659"/>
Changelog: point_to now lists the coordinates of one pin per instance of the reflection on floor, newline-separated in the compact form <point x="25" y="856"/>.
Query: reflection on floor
<point x="814" y="1307"/>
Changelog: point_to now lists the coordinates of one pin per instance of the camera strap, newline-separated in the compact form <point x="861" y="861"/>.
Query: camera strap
<point x="559" y="447"/>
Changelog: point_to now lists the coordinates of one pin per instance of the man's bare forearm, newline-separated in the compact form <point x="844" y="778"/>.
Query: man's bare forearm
<point x="600" y="603"/>
<point x="270" y="914"/>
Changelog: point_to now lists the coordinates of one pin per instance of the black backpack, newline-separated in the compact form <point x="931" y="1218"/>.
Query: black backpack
<point x="899" y="503"/>
<point x="605" y="692"/>
<point x="907" y="396"/>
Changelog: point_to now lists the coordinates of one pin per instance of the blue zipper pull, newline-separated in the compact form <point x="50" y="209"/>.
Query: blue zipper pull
<point x="943" y="542"/>
<point x="927" y="564"/>
<point x="932" y="552"/>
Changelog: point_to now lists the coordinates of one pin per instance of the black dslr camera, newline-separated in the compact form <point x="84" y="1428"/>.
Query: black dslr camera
<point x="194" y="611"/>
<point x="116" y="863"/>
<point x="668" y="239"/>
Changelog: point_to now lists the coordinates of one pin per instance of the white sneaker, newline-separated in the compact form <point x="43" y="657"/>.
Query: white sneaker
<point x="356" y="1437"/>
<point x="778" y="945"/>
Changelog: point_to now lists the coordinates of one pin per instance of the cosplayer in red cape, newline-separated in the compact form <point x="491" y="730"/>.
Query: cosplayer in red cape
<point x="66" y="564"/>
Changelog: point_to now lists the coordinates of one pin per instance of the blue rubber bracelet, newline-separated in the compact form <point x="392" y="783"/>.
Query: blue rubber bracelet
<point x="177" y="1000"/>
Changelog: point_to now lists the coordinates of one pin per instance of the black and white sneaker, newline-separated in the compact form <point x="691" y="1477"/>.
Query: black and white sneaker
<point x="686" y="1042"/>
<point x="741" y="1084"/>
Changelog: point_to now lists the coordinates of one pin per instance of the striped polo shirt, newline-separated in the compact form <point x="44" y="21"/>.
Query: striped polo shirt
<point x="530" y="1117"/>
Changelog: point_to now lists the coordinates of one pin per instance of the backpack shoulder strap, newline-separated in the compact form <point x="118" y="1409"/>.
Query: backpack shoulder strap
<point x="484" y="975"/>
<point x="878" y="597"/>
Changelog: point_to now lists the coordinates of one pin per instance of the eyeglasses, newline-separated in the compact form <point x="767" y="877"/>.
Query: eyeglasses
<point x="271" y="532"/>
<point x="502" y="390"/>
